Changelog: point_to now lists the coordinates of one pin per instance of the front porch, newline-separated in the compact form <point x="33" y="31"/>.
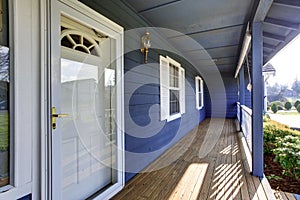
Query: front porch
<point x="223" y="174"/>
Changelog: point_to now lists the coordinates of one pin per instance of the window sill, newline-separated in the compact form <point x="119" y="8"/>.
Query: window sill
<point x="199" y="108"/>
<point x="173" y="117"/>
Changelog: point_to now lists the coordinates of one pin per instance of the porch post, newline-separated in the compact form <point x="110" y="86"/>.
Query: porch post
<point x="257" y="100"/>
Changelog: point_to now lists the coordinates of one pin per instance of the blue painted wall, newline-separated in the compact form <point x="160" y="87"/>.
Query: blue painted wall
<point x="248" y="97"/>
<point x="146" y="137"/>
<point x="231" y="88"/>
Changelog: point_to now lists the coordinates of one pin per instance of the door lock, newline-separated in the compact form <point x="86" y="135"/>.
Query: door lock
<point x="55" y="115"/>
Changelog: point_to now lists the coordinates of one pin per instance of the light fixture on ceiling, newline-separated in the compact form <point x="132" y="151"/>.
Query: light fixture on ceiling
<point x="146" y="44"/>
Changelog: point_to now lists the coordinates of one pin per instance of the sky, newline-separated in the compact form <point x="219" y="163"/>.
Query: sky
<point x="287" y="64"/>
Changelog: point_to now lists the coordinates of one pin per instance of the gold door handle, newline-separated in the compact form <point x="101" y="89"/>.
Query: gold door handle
<point x="59" y="115"/>
<point x="55" y="115"/>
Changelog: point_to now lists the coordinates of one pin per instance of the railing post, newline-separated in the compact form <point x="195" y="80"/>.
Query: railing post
<point x="257" y="100"/>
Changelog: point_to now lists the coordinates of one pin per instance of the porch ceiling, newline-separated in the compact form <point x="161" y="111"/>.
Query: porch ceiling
<point x="281" y="25"/>
<point x="219" y="26"/>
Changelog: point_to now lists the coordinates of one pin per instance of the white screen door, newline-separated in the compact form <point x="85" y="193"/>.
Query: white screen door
<point x="86" y="138"/>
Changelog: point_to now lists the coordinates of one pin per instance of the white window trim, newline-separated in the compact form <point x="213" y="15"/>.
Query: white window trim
<point x="197" y="79"/>
<point x="165" y="89"/>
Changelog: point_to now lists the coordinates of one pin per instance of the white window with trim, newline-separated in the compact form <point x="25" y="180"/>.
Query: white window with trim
<point x="172" y="89"/>
<point x="199" y="92"/>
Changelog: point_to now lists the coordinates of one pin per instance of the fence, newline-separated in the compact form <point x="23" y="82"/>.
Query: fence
<point x="244" y="115"/>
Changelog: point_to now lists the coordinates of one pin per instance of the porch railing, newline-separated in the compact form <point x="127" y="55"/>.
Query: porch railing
<point x="244" y="116"/>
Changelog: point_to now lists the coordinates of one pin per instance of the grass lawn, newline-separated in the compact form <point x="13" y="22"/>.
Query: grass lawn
<point x="4" y="137"/>
<point x="288" y="112"/>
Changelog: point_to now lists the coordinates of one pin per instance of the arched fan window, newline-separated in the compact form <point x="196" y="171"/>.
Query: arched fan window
<point x="80" y="41"/>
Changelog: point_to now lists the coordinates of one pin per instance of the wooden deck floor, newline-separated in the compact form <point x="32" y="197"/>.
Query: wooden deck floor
<point x="222" y="174"/>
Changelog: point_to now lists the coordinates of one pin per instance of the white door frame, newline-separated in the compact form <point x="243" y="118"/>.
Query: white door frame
<point x="74" y="8"/>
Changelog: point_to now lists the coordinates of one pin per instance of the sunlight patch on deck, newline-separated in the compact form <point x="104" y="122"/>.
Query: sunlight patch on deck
<point x="227" y="181"/>
<point x="212" y="137"/>
<point x="190" y="183"/>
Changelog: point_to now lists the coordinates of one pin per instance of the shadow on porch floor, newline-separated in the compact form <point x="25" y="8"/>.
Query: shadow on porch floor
<point x="180" y="174"/>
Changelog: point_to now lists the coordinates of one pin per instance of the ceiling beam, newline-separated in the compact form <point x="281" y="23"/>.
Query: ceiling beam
<point x="244" y="50"/>
<point x="262" y="10"/>
<point x="159" y="6"/>
<point x="274" y="36"/>
<point x="266" y="52"/>
<point x="221" y="47"/>
<point x="216" y="29"/>
<point x="269" y="46"/>
<point x="282" y="23"/>
<point x="289" y="3"/>
<point x="212" y="48"/>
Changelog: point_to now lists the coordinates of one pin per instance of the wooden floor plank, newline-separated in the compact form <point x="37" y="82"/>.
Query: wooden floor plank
<point x="290" y="196"/>
<point x="180" y="173"/>
<point x="213" y="161"/>
<point x="219" y="169"/>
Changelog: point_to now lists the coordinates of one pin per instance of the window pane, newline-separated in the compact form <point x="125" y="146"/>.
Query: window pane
<point x="199" y="83"/>
<point x="200" y="99"/>
<point x="4" y="95"/>
<point x="174" y="102"/>
<point x="174" y="76"/>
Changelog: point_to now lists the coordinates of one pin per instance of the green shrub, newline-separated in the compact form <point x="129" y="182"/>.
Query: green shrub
<point x="266" y="118"/>
<point x="284" y="143"/>
<point x="298" y="108"/>
<point x="296" y="103"/>
<point x="287" y="153"/>
<point x="273" y="130"/>
<point x="274" y="108"/>
<point x="288" y="105"/>
<point x="271" y="133"/>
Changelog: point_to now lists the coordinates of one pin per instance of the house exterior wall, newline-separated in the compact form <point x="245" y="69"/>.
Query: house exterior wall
<point x="231" y="88"/>
<point x="146" y="137"/>
<point x="248" y="100"/>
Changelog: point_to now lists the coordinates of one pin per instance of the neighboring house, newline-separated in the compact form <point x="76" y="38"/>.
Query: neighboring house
<point x="268" y="71"/>
<point x="87" y="114"/>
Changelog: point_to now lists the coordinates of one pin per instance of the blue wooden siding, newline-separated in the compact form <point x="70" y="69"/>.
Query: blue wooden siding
<point x="231" y="88"/>
<point x="248" y="100"/>
<point x="146" y="137"/>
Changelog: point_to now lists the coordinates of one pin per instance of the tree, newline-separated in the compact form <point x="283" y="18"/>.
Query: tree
<point x="296" y="87"/>
<point x="274" y="108"/>
<point x="276" y="92"/>
<point x="288" y="105"/>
